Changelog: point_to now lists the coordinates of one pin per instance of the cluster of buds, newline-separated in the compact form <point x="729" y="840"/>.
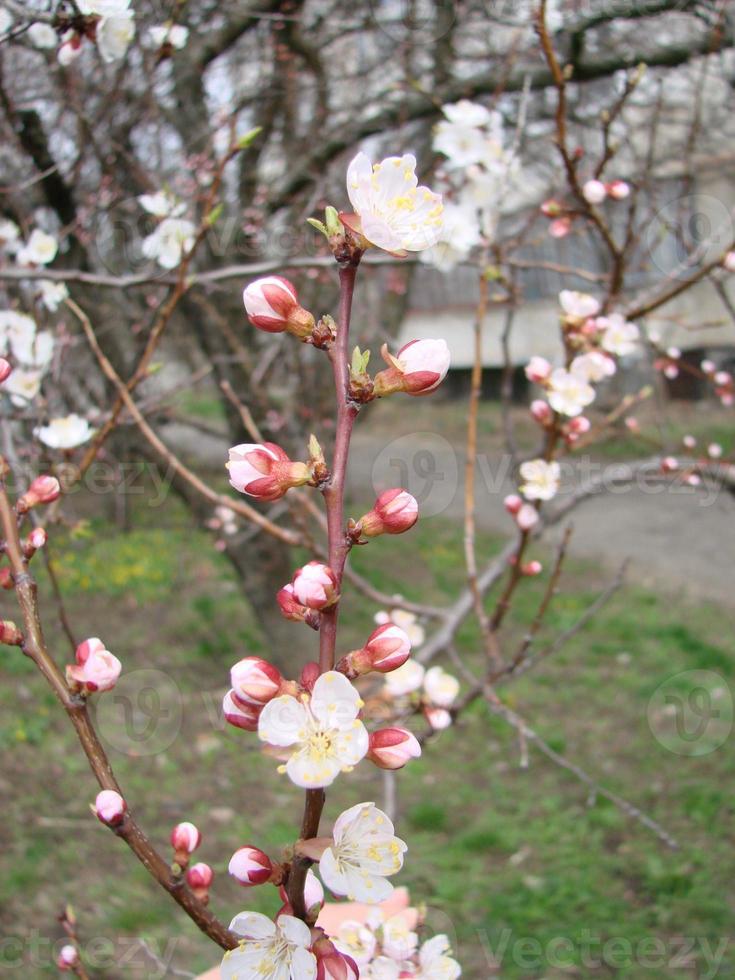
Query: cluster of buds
<point x="561" y="215"/>
<point x="254" y="682"/>
<point x="96" y="669"/>
<point x="596" y="191"/>
<point x="272" y="305"/>
<point x="574" y="428"/>
<point x="417" y="369"/>
<point x="525" y="514"/>
<point x="668" y="363"/>
<point x="110" y="808"/>
<point x="185" y="839"/>
<point x="387" y="649"/>
<point x="43" y="490"/>
<point x="722" y="381"/>
<point x="394" y="512"/>
<point x="312" y="589"/>
<point x="264" y="471"/>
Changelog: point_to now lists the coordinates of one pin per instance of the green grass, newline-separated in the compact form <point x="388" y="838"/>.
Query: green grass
<point x="504" y="857"/>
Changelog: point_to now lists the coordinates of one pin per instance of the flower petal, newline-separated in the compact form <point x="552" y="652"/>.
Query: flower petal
<point x="334" y="701"/>
<point x="283" y="721"/>
<point x="253" y="925"/>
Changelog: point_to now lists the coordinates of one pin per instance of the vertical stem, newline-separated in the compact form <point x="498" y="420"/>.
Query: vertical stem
<point x="337" y="548"/>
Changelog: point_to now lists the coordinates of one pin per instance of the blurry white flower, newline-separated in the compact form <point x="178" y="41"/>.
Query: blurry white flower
<point x="269" y="950"/>
<point x="435" y="962"/>
<point x="23" y="385"/>
<point x="440" y="687"/>
<point x="42" y="35"/>
<point x="16" y="328"/>
<point x="67" y="432"/>
<point x="620" y="336"/>
<point x="405" y="679"/>
<point x="114" y="35"/>
<point x="569" y="393"/>
<point x="174" y="34"/>
<point x="162" y="205"/>
<point x="540" y="479"/>
<point x="356" y="940"/>
<point x="578" y="305"/>
<point x="9" y="233"/>
<point x="399" y="942"/>
<point x="462" y="145"/>
<point x="394" y="213"/>
<point x="52" y="293"/>
<point x="594" y="192"/>
<point x="40" y="249"/>
<point x="407" y="621"/>
<point x="466" y="113"/>
<point x="104" y="8"/>
<point x="460" y="234"/>
<point x="168" y="244"/>
<point x="593" y="366"/>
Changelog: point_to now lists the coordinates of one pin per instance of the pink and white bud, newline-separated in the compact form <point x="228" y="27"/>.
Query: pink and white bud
<point x="272" y="304"/>
<point x="689" y="442"/>
<point x="693" y="479"/>
<point x="110" y="807"/>
<point x="673" y="352"/>
<point x="417" y="369"/>
<point x="541" y="411"/>
<point x="527" y="517"/>
<point x="243" y="716"/>
<point x="579" y="425"/>
<point x="68" y="958"/>
<point x="578" y="306"/>
<point x="264" y="470"/>
<point x="723" y="378"/>
<point x="392" y="748"/>
<point x="5" y="371"/>
<point x="291" y="608"/>
<point x="255" y="681"/>
<point x="728" y="262"/>
<point x="333" y="965"/>
<point x="394" y="512"/>
<point x="250" y="866"/>
<point x="37" y="538"/>
<point x="513" y="503"/>
<point x="438" y="718"/>
<point x="532" y="568"/>
<point x="315" y="586"/>
<point x="632" y="424"/>
<point x="669" y="464"/>
<point x="96" y="668"/>
<point x="709" y="367"/>
<point x="560" y="227"/>
<point x="538" y="370"/>
<point x="43" y="490"/>
<point x="199" y="878"/>
<point x="594" y="191"/>
<point x="670" y="371"/>
<point x="185" y="839"/>
<point x="618" y="190"/>
<point x="714" y="450"/>
<point x="10" y="634"/>
<point x="387" y="649"/>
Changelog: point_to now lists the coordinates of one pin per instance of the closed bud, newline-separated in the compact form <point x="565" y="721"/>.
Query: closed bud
<point x="513" y="503"/>
<point x="527" y="517"/>
<point x="264" y="471"/>
<point x="418" y="368"/>
<point x="709" y="367"/>
<point x="255" y="681"/>
<point x="315" y="586"/>
<point x="541" y="411"/>
<point x="185" y="839"/>
<point x="5" y="369"/>
<point x="10" y="634"/>
<point x="96" y="668"/>
<point x="35" y="540"/>
<point x="309" y="674"/>
<point x="438" y="718"/>
<point x="243" y="716"/>
<point x="250" y="866"/>
<point x="272" y="304"/>
<point x="538" y="369"/>
<point x="560" y="227"/>
<point x="6" y="578"/>
<point x="594" y="192"/>
<point x="333" y="965"/>
<point x="68" y="958"/>
<point x="394" y="512"/>
<point x="532" y="568"/>
<point x="43" y="490"/>
<point x="199" y="878"/>
<point x="387" y="648"/>
<point x="579" y="425"/>
<point x="618" y="190"/>
<point x="392" y="748"/>
<point x="552" y="208"/>
<point x="669" y="464"/>
<point x="110" y="807"/>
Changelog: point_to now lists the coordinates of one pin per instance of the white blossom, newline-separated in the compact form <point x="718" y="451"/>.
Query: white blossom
<point x="321" y="735"/>
<point x="357" y="941"/>
<point x="9" y="234"/>
<point x="364" y="852"/>
<point x="42" y="35"/>
<point x="23" y="385"/>
<point x="52" y="293"/>
<point x="162" y="204"/>
<point x="114" y="34"/>
<point x="6" y="20"/>
<point x="440" y="687"/>
<point x="405" y="679"/>
<point x="104" y="8"/>
<point x="399" y="941"/>
<point x="569" y="393"/>
<point x="269" y="950"/>
<point x="460" y="234"/>
<point x="467" y="113"/>
<point x="40" y="249"/>
<point x="540" y="479"/>
<point x="619" y="335"/>
<point x="435" y="961"/>
<point x="171" y="240"/>
<point x="593" y="366"/>
<point x="66" y="432"/>
<point x="578" y="305"/>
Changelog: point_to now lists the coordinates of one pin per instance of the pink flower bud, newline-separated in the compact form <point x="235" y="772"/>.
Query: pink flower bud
<point x="240" y="715"/>
<point x="392" y="748"/>
<point x="541" y="411"/>
<point x="290" y="607"/>
<point x="272" y="304"/>
<point x="309" y="674"/>
<point x="417" y="369"/>
<point x="264" y="471"/>
<point x="538" y="369"/>
<point x="532" y="568"/>
<point x="438" y="718"/>
<point x="579" y="425"/>
<point x="560" y="227"/>
<point x="387" y="648"/>
<point x="594" y="192"/>
<point x="669" y="464"/>
<point x="723" y="378"/>
<point x="5" y="369"/>
<point x="250" y="866"/>
<point x="527" y="517"/>
<point x="333" y="965"/>
<point x="670" y="371"/>
<point x="394" y="512"/>
<point x="714" y="450"/>
<point x="110" y="807"/>
<point x="68" y="958"/>
<point x="37" y="538"/>
<point x="689" y="442"/>
<point x="728" y="262"/>
<point x="315" y="586"/>
<point x="185" y="838"/>
<point x="632" y="424"/>
<point x="199" y="877"/>
<point x="10" y="634"/>
<point x="6" y="578"/>
<point x="43" y="490"/>
<point x="709" y="367"/>
<point x="255" y="681"/>
<point x="513" y="503"/>
<point x="618" y="190"/>
<point x="96" y="668"/>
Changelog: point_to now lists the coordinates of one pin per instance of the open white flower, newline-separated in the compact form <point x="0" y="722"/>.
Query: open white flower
<point x="22" y="385"/>
<point x="40" y="249"/>
<point x="594" y="366"/>
<point x="391" y="211"/>
<point x="162" y="204"/>
<point x="405" y="679"/>
<point x="460" y="234"/>
<point x="540" y="479"/>
<point x="440" y="687"/>
<point x="435" y="962"/>
<point x="114" y="35"/>
<point x="467" y="113"/>
<point x="462" y="145"/>
<point x="169" y="242"/>
<point x="578" y="305"/>
<point x="356" y="940"/>
<point x="364" y="853"/>
<point x="269" y="950"/>
<point x="67" y="432"/>
<point x="16" y="328"/>
<point x="52" y="294"/>
<point x="323" y="732"/>
<point x="569" y="393"/>
<point x="174" y="34"/>
<point x="399" y="941"/>
<point x="619" y="335"/>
